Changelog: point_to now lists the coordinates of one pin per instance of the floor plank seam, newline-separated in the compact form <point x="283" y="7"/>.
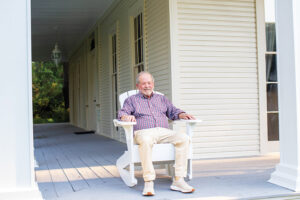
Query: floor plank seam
<point x="46" y="162"/>
<point x="92" y="170"/>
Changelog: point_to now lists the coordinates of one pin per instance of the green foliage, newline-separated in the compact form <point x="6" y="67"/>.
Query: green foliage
<point x="47" y="89"/>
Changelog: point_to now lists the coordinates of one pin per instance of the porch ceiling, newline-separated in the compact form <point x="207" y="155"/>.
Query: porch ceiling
<point x="63" y="21"/>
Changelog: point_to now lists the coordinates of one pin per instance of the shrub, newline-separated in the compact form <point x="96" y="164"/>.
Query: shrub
<point x="47" y="91"/>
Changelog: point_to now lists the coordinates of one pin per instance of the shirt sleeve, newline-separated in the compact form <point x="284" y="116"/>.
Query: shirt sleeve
<point x="127" y="109"/>
<point x="172" y="111"/>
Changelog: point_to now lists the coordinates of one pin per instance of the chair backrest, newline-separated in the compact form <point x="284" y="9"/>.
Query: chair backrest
<point x="127" y="94"/>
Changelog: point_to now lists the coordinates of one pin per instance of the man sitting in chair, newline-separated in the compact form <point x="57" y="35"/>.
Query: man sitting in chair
<point x="150" y="111"/>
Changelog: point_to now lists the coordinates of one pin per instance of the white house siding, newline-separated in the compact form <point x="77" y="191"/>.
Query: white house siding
<point x="157" y="56"/>
<point x="216" y="78"/>
<point x="91" y="74"/>
<point x="158" y="44"/>
<point x="83" y="88"/>
<point x="83" y="84"/>
<point x="78" y="96"/>
<point x="116" y="21"/>
<point x="71" y="92"/>
<point x="99" y="83"/>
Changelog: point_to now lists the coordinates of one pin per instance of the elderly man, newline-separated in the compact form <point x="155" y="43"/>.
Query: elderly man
<point x="151" y="111"/>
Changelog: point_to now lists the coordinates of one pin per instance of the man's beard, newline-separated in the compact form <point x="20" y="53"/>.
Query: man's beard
<point x="148" y="92"/>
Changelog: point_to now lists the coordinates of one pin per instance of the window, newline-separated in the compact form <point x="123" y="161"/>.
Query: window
<point x="272" y="83"/>
<point x="114" y="74"/>
<point x="92" y="45"/>
<point x="92" y="41"/>
<point x="138" y="44"/>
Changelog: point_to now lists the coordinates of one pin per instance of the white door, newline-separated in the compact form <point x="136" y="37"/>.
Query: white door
<point x="92" y="81"/>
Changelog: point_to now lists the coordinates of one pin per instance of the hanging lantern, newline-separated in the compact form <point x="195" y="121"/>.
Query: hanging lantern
<point x="56" y="54"/>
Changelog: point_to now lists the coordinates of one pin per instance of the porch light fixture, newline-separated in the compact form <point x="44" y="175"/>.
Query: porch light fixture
<point x="56" y="54"/>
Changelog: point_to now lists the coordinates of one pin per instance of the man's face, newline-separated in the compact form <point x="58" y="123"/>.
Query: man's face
<point x="145" y="85"/>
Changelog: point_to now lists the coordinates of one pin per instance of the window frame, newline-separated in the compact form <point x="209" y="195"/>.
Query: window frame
<point x="271" y="112"/>
<point x="114" y="74"/>
<point x="139" y="50"/>
<point x="113" y="53"/>
<point x="136" y="9"/>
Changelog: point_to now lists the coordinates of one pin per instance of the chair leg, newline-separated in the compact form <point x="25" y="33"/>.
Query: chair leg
<point x="170" y="169"/>
<point x="131" y="172"/>
<point x="127" y="176"/>
<point x="190" y="169"/>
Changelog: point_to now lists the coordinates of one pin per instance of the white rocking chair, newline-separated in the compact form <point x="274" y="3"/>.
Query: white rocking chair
<point x="160" y="152"/>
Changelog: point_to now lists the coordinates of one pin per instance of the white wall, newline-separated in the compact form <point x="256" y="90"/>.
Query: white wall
<point x="16" y="136"/>
<point x="157" y="35"/>
<point x="117" y="21"/>
<point x="157" y="57"/>
<point x="83" y="86"/>
<point x="79" y="87"/>
<point x="216" y="74"/>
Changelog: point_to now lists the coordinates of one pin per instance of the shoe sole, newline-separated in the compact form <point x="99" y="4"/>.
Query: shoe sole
<point x="175" y="188"/>
<point x="148" y="194"/>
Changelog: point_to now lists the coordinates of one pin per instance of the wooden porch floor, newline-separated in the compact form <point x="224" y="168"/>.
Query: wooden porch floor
<point x="83" y="167"/>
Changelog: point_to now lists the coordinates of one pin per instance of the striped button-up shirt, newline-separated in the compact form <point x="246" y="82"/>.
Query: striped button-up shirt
<point x="149" y="112"/>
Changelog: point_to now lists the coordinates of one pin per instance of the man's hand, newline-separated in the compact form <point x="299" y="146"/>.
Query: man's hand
<point x="186" y="116"/>
<point x="128" y="118"/>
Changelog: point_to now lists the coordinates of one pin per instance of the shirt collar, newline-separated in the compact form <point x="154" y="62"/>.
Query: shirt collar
<point x="145" y="97"/>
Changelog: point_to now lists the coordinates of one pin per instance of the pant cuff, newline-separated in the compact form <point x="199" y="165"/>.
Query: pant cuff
<point x="181" y="174"/>
<point x="149" y="178"/>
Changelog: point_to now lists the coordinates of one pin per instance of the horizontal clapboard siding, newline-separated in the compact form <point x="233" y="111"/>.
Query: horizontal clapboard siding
<point x="117" y="20"/>
<point x="158" y="44"/>
<point x="157" y="60"/>
<point x="217" y="71"/>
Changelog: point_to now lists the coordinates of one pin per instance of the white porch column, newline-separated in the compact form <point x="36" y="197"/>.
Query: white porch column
<point x="287" y="172"/>
<point x="16" y="139"/>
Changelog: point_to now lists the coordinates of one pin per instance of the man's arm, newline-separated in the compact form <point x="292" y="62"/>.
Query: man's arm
<point x="128" y="118"/>
<point x="174" y="113"/>
<point x="125" y="114"/>
<point x="186" y="116"/>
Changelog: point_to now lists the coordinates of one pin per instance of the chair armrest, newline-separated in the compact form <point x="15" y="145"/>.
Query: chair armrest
<point x="190" y="121"/>
<point x="190" y="124"/>
<point x="128" y="128"/>
<point x="123" y="123"/>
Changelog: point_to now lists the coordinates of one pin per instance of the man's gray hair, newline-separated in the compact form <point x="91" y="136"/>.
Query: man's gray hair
<point x="137" y="81"/>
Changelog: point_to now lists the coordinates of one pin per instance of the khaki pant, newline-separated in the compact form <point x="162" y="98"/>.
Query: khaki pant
<point x="147" y="137"/>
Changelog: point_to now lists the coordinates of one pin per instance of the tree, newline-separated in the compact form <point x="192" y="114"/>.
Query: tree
<point x="48" y="98"/>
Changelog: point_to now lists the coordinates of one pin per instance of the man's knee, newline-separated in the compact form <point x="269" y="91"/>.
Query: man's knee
<point x="182" y="138"/>
<point x="144" y="140"/>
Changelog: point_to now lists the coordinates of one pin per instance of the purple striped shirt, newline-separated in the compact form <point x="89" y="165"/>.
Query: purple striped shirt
<point x="149" y="112"/>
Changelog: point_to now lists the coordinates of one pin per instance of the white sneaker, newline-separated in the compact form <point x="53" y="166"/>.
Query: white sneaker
<point x="149" y="188"/>
<point x="182" y="186"/>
